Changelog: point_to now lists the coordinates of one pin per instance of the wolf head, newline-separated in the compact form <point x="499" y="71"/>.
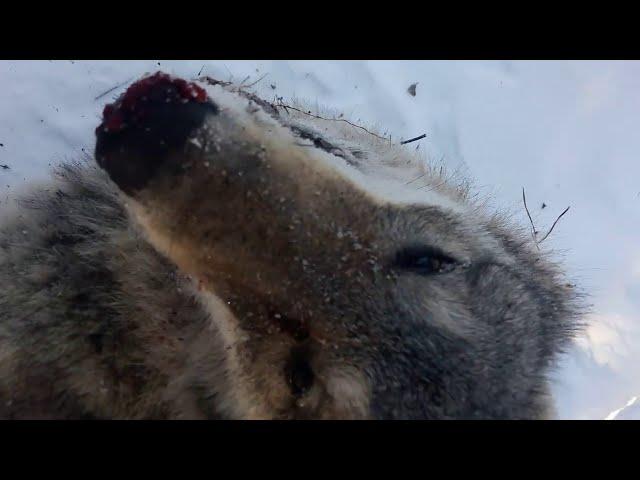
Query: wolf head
<point x="341" y="289"/>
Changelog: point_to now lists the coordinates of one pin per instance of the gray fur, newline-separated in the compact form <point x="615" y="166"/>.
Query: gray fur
<point x="199" y="296"/>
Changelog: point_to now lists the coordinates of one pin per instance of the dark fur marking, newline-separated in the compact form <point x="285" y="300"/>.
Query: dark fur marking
<point x="298" y="372"/>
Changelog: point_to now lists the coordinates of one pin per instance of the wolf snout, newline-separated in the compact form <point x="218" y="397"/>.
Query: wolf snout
<point x="154" y="117"/>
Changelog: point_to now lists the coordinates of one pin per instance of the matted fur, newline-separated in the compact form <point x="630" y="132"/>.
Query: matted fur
<point x="273" y="251"/>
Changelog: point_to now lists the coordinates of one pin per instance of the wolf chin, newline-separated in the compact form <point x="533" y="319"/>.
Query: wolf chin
<point x="223" y="257"/>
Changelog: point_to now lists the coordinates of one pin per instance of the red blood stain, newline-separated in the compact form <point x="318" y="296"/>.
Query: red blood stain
<point x="114" y="122"/>
<point x="130" y="106"/>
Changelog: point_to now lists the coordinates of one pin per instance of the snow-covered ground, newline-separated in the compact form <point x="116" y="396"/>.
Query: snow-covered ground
<point x="565" y="131"/>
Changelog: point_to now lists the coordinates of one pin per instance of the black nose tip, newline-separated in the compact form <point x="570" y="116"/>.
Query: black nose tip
<point x="156" y="115"/>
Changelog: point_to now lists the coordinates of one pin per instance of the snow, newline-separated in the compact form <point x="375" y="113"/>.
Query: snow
<point x="565" y="131"/>
<point x="631" y="411"/>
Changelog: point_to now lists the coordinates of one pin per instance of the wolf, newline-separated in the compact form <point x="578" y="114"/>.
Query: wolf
<point x="226" y="257"/>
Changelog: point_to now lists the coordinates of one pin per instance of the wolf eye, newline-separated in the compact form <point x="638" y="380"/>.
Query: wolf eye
<point x="425" y="260"/>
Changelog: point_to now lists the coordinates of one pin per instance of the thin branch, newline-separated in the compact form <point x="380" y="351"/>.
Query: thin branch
<point x="554" y="224"/>
<point x="286" y="107"/>
<point x="213" y="81"/>
<point x="413" y="139"/>
<point x="534" y="232"/>
<point x="258" y="80"/>
<point x="112" y="89"/>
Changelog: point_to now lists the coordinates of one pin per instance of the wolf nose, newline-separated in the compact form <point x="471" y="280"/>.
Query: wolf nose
<point x="155" y="116"/>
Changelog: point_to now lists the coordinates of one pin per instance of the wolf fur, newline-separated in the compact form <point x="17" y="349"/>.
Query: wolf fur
<point x="279" y="275"/>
